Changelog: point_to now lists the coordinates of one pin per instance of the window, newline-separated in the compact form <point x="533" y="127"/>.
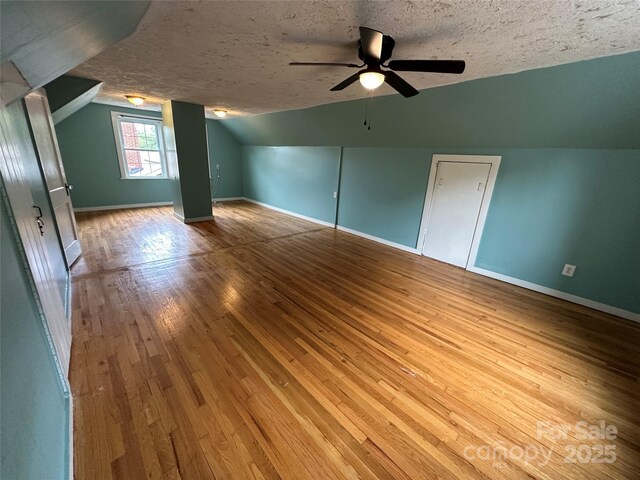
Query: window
<point x="140" y="146"/>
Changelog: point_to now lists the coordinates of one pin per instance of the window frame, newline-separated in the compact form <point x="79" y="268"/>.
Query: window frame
<point x="116" y="118"/>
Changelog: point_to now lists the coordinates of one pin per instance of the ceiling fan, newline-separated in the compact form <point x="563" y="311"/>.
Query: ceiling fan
<point x="374" y="49"/>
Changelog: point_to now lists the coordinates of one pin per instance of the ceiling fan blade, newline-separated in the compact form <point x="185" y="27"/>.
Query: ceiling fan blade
<point x="371" y="43"/>
<point x="323" y="64"/>
<point x="435" y="66"/>
<point x="344" y="84"/>
<point x="395" y="81"/>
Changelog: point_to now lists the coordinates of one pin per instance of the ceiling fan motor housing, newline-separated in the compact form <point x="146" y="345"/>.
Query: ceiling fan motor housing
<point x="387" y="49"/>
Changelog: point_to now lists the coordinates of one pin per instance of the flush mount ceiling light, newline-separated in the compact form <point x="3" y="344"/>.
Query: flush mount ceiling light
<point x="219" y="113"/>
<point x="135" y="99"/>
<point x="371" y="80"/>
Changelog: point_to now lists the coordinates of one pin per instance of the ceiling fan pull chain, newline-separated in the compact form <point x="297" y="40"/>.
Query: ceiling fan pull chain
<point x="366" y="111"/>
<point x="369" y="104"/>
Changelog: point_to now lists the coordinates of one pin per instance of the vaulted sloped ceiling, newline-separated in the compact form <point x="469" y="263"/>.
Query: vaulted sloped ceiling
<point x="234" y="55"/>
<point x="41" y="40"/>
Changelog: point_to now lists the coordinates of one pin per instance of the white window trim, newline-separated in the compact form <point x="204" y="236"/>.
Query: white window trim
<point x="117" y="133"/>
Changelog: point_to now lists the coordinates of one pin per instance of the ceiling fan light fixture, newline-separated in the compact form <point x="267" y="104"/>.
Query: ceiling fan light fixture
<point x="135" y="99"/>
<point x="219" y="112"/>
<point x="371" y="80"/>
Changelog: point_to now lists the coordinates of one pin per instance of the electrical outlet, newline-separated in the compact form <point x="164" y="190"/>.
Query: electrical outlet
<point x="568" y="270"/>
<point x="335" y="194"/>
<point x="218" y="167"/>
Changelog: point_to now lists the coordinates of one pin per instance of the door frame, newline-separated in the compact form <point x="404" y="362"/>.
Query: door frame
<point x="494" y="161"/>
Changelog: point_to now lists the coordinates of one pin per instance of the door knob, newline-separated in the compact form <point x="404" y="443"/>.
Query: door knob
<point x="68" y="188"/>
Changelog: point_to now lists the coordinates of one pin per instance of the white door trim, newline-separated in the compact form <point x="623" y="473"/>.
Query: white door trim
<point x="494" y="160"/>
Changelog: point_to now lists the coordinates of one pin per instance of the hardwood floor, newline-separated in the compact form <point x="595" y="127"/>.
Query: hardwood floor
<point x="114" y="239"/>
<point x="259" y="346"/>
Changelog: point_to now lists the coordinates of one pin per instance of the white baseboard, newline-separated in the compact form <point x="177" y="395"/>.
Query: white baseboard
<point x="558" y="294"/>
<point x="293" y="214"/>
<point x="388" y="243"/>
<point x="122" y="207"/>
<point x="198" y="219"/>
<point x="145" y="205"/>
<point x="70" y="438"/>
<point x="194" y="219"/>
<point x="227" y="199"/>
<point x="338" y="227"/>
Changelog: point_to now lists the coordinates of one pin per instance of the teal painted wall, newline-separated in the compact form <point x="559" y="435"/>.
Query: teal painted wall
<point x="591" y="104"/>
<point x="299" y="179"/>
<point x="90" y="159"/>
<point x="68" y="94"/>
<point x="226" y="151"/>
<point x="382" y="192"/>
<point x="192" y="158"/>
<point x="582" y="207"/>
<point x="33" y="409"/>
<point x="65" y="89"/>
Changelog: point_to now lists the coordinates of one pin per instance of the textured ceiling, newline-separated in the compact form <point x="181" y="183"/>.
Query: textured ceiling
<point x="234" y="55"/>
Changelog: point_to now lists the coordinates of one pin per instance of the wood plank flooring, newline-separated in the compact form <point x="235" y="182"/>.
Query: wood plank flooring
<point x="261" y="346"/>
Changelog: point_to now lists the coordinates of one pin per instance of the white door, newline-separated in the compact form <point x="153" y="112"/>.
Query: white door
<point x="16" y="151"/>
<point x="458" y="192"/>
<point x="46" y="144"/>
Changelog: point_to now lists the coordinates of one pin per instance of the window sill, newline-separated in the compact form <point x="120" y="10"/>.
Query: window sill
<point x="144" y="178"/>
